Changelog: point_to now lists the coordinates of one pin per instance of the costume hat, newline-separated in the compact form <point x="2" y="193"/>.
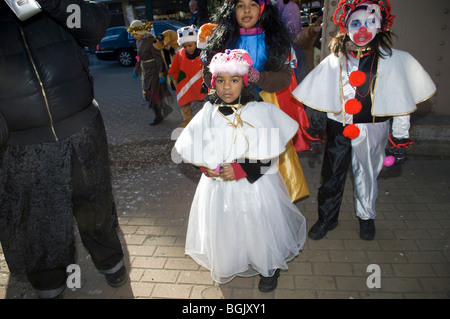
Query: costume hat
<point x="234" y="62"/>
<point x="204" y="33"/>
<point x="139" y="27"/>
<point x="187" y="34"/>
<point x="377" y="7"/>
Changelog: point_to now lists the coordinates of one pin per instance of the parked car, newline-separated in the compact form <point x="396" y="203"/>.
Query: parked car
<point x="118" y="45"/>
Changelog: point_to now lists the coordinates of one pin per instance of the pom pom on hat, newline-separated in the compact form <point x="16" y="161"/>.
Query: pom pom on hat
<point x="187" y="34"/>
<point x="351" y="131"/>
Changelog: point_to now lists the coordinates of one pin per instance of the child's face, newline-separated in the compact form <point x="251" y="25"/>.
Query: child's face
<point x="137" y="36"/>
<point x="229" y="87"/>
<point x="190" y="47"/>
<point x="247" y="13"/>
<point x="363" y="27"/>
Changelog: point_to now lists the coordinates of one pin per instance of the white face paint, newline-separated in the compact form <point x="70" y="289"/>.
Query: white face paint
<point x="363" y="26"/>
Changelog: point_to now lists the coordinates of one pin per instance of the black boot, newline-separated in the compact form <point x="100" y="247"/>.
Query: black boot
<point x="268" y="284"/>
<point x="158" y="116"/>
<point x="321" y="228"/>
<point x="118" y="278"/>
<point x="366" y="229"/>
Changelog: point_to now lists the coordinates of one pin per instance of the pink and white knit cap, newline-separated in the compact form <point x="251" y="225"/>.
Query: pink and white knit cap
<point x="234" y="62"/>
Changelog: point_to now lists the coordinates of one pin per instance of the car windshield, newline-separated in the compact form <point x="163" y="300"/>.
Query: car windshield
<point x="113" y="31"/>
<point x="161" y="26"/>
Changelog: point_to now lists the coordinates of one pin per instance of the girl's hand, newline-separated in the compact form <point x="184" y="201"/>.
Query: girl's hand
<point x="211" y="173"/>
<point x="227" y="172"/>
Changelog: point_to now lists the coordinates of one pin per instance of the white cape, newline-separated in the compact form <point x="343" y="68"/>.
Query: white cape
<point x="209" y="139"/>
<point x="401" y="84"/>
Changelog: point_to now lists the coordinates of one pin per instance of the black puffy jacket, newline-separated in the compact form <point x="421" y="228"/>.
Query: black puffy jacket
<point x="46" y="91"/>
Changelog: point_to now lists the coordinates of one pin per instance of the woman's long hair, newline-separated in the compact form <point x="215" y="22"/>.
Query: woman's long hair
<point x="226" y="35"/>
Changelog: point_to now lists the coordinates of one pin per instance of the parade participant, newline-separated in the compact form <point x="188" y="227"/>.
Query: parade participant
<point x="254" y="25"/>
<point x="150" y="65"/>
<point x="186" y="72"/>
<point x="242" y="221"/>
<point x="289" y="12"/>
<point x="364" y="84"/>
<point x="167" y="43"/>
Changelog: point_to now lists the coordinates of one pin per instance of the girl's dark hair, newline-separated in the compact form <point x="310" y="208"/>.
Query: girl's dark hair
<point x="382" y="41"/>
<point x="226" y="35"/>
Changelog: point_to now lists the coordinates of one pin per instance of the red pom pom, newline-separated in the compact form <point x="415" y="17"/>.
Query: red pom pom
<point x="351" y="131"/>
<point x="353" y="106"/>
<point x="357" y="78"/>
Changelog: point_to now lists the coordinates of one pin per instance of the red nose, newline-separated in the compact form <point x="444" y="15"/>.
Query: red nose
<point x="363" y="30"/>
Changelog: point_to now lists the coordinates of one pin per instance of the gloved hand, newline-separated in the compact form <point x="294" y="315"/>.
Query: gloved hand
<point x="253" y="75"/>
<point x="162" y="80"/>
<point x="134" y="75"/>
<point x="398" y="148"/>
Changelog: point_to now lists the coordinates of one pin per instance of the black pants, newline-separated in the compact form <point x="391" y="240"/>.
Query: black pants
<point x="336" y="162"/>
<point x="103" y="245"/>
<point x="47" y="186"/>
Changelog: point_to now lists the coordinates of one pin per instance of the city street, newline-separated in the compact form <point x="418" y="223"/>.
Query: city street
<point x="411" y="251"/>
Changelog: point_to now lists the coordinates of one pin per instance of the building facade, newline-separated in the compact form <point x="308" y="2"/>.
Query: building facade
<point x="125" y="11"/>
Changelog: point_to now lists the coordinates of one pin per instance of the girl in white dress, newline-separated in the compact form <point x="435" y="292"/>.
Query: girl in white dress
<point x="242" y="221"/>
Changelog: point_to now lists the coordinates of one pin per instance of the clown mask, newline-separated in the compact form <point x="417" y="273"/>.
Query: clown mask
<point x="363" y="25"/>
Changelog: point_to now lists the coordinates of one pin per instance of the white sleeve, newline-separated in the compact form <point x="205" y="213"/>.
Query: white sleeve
<point x="400" y="126"/>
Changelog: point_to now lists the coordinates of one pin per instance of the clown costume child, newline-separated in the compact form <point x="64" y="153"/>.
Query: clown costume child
<point x="367" y="91"/>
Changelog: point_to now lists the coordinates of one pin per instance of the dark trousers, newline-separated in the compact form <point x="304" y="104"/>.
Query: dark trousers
<point x="94" y="211"/>
<point x="336" y="162"/>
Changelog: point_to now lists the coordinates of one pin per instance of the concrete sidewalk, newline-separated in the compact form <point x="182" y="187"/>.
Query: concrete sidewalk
<point x="154" y="194"/>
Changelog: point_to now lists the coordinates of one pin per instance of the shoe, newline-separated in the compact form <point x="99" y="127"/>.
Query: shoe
<point x="156" y="120"/>
<point x="158" y="116"/>
<point x="50" y="295"/>
<point x="118" y="278"/>
<point x="268" y="284"/>
<point x="366" y="229"/>
<point x="320" y="229"/>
